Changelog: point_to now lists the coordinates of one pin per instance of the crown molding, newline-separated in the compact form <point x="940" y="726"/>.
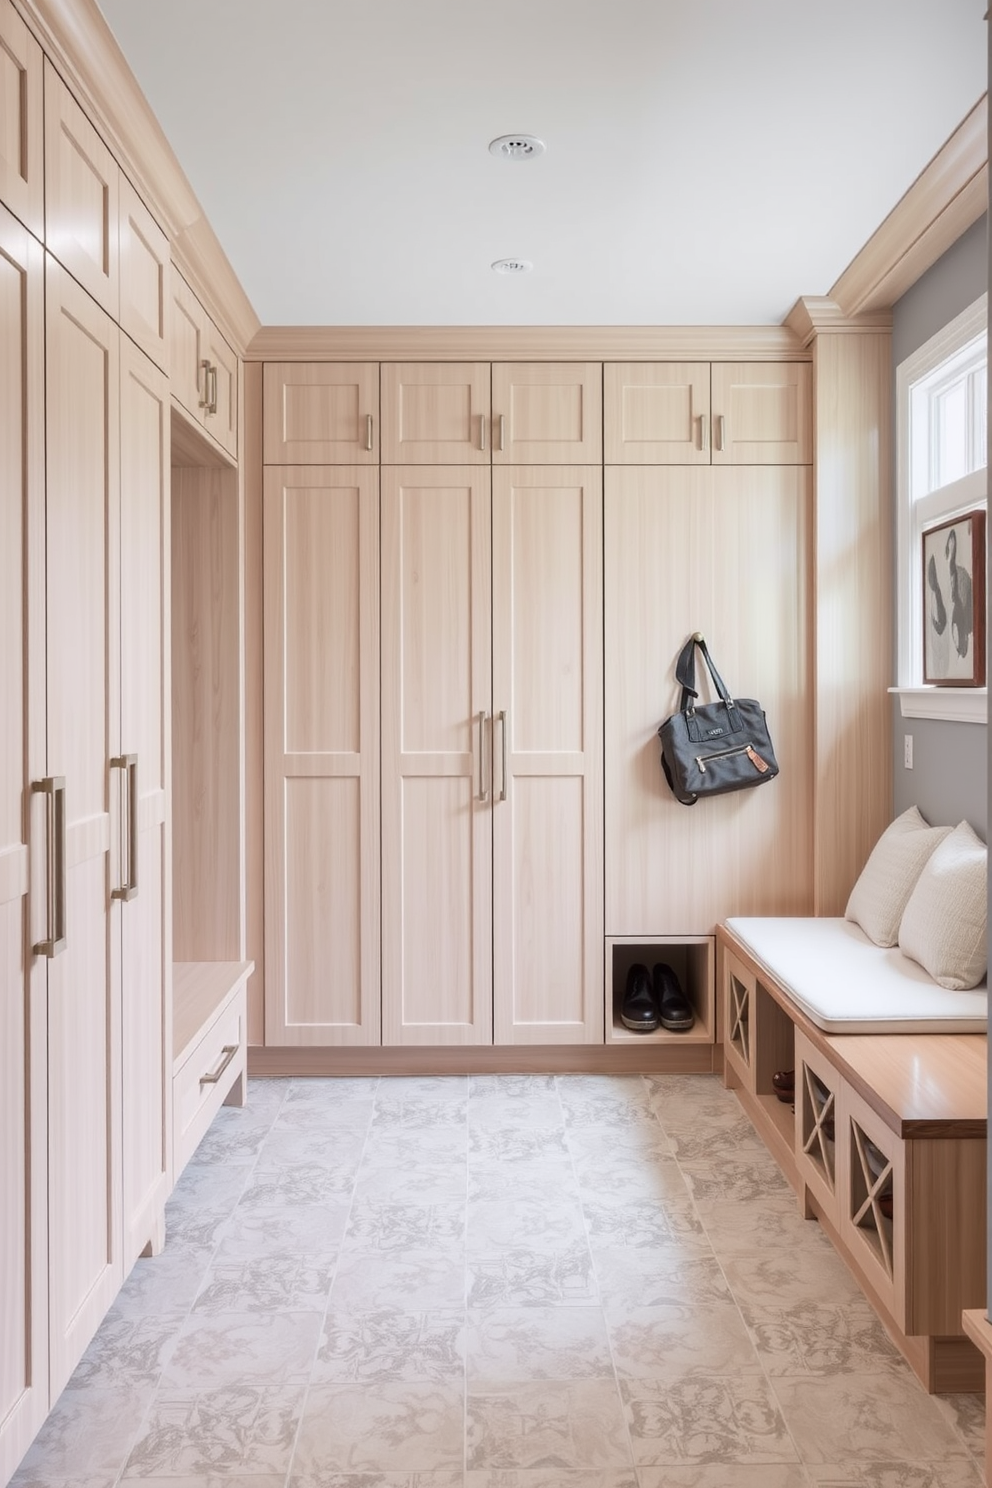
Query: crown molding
<point x="812" y="315"/>
<point x="947" y="197"/>
<point x="525" y="343"/>
<point x="82" y="48"/>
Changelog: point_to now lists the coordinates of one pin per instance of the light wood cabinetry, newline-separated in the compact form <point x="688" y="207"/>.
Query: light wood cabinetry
<point x="435" y="413"/>
<point x="321" y="541"/>
<point x="82" y="196"/>
<point x="24" y="1395"/>
<point x="692" y="958"/>
<point x="145" y="275"/>
<point x="724" y="552"/>
<point x="698" y="413"/>
<point x="321" y="413"/>
<point x="22" y="151"/>
<point x="210" y="1048"/>
<point x="203" y="368"/>
<point x="547" y="413"/>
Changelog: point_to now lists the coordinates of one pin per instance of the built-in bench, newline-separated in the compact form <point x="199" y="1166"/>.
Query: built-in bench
<point x="886" y="1144"/>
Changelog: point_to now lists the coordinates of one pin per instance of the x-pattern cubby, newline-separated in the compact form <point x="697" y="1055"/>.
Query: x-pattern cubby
<point x="818" y="1124"/>
<point x="740" y="1012"/>
<point x="871" y="1197"/>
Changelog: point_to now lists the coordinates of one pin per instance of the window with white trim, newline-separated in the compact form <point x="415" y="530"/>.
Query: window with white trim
<point x="941" y="420"/>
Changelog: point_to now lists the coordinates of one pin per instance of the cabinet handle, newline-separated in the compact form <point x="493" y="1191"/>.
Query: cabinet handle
<point x="53" y="789"/>
<point x="704" y="433"/>
<point x="129" y="839"/>
<point x="482" y="431"/>
<point x="368" y="431"/>
<point x="483" y="787"/>
<point x="502" y="737"/>
<point x="502" y="432"/>
<point x="721" y="429"/>
<point x="205" y="399"/>
<point x="212" y="405"/>
<point x="228" y="1052"/>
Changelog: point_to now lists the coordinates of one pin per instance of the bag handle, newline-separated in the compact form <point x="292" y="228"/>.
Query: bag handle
<point x="685" y="674"/>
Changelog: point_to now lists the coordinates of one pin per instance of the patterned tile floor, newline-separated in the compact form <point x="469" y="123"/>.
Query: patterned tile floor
<point x="495" y="1282"/>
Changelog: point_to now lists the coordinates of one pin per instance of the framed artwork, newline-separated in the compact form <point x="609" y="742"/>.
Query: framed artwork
<point x="954" y="602"/>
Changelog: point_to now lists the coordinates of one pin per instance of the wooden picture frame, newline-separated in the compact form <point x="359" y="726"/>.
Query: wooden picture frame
<point x="953" y="575"/>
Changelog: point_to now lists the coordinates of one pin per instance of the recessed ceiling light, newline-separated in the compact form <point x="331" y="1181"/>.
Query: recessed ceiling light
<point x="517" y="146"/>
<point x="511" y="266"/>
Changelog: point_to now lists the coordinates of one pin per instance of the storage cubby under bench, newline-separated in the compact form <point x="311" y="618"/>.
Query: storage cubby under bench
<point x="885" y="1146"/>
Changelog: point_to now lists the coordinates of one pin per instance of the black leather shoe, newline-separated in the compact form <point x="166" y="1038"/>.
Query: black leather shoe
<point x="639" y="1009"/>
<point x="674" y="1008"/>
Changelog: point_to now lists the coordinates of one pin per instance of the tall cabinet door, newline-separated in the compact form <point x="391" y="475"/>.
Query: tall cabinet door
<point x="83" y="453"/>
<point x="436" y="762"/>
<point x="140" y="781"/>
<point x="321" y="540"/>
<point x="23" y="980"/>
<point x="547" y="755"/>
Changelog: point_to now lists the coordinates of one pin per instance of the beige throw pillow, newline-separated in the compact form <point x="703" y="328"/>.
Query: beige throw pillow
<point x="882" y="892"/>
<point x="944" y="925"/>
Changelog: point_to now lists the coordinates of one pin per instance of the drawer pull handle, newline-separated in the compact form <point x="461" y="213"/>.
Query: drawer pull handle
<point x="228" y="1052"/>
<point x="368" y="431"/>
<point x="53" y="789"/>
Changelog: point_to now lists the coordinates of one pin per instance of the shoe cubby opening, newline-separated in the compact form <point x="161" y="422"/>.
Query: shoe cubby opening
<point x="692" y="959"/>
<point x="872" y="1196"/>
<point x="773" y="1039"/>
<point x="818" y="1124"/>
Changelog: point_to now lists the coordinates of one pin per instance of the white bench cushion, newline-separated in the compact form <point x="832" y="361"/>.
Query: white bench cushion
<point x="846" y="984"/>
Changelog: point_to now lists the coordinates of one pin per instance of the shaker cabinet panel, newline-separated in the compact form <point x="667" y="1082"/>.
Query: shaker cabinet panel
<point x="321" y="413"/>
<point x="22" y="151"/>
<point x="145" y="273"/>
<point x="547" y="413"/>
<point x="762" y="413"/>
<point x="82" y="196"/>
<point x="435" y="413"/>
<point x="656" y="413"/>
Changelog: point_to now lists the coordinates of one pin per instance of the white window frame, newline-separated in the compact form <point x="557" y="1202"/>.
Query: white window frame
<point x="960" y="704"/>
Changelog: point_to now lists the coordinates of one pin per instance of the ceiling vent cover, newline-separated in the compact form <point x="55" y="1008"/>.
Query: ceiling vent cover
<point x="517" y="147"/>
<point x="512" y="266"/>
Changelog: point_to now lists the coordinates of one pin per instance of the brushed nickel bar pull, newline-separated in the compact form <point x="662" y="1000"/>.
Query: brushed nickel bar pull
<point x="502" y="432"/>
<point x="483" y="788"/>
<point x="721" y="429"/>
<point x="205" y="399"/>
<point x="368" y="431"/>
<point x="129" y="884"/>
<point x="53" y="789"/>
<point x="502" y="735"/>
<point x="228" y="1052"/>
<point x="704" y="432"/>
<point x="213" y="389"/>
<point x="482" y="431"/>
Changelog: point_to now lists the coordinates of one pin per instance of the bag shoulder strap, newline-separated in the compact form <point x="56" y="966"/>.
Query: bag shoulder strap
<point x="685" y="673"/>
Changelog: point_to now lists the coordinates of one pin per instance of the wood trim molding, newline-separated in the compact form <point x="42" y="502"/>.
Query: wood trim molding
<point x="484" y="1059"/>
<point x="813" y="314"/>
<point x="948" y="196"/>
<point x="80" y="45"/>
<point x="526" y="343"/>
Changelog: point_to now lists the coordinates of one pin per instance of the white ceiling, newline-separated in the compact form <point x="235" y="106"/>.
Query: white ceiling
<point x="708" y="161"/>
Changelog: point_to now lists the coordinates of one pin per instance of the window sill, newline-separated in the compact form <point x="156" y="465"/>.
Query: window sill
<point x="952" y="704"/>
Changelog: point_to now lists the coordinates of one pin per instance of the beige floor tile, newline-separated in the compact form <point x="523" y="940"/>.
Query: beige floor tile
<point x="385" y="1426"/>
<point x="383" y="1227"/>
<point x="246" y="1348"/>
<point x="495" y="1228"/>
<point x="555" y="1477"/>
<point x="524" y="1183"/>
<point x="644" y="1141"/>
<point x="390" y="1345"/>
<point x="210" y="1480"/>
<point x="966" y="1414"/>
<point x="127" y="1353"/>
<point x="679" y="1340"/>
<point x="769" y="1223"/>
<point x="508" y="1345"/>
<point x="315" y="1232"/>
<point x="807" y="1338"/>
<point x="659" y="1276"/>
<point x="512" y="1144"/>
<point x="745" y="1179"/>
<point x="428" y="1181"/>
<point x="547" y="1425"/>
<point x="499" y="1112"/>
<point x="643" y="1222"/>
<point x="522" y="1278"/>
<point x="629" y="1176"/>
<point x="794" y="1277"/>
<point x="237" y="1431"/>
<point x="866" y="1418"/>
<point x="524" y="1087"/>
<point x="455" y="1479"/>
<point x="413" y="1281"/>
<point x="674" y="1422"/>
<point x="954" y="1474"/>
<point x="422" y="1114"/>
<point x="87" y="1436"/>
<point x="724" y="1475"/>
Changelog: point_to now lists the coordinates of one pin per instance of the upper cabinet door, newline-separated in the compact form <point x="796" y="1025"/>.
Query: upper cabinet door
<point x="762" y="413"/>
<point x="547" y="413"/>
<point x="321" y="413"/>
<point x="82" y="196"/>
<point x="186" y="346"/>
<point x="656" y="413"/>
<point x="221" y="403"/>
<point x="22" y="154"/>
<point x="145" y="268"/>
<point x="435" y="413"/>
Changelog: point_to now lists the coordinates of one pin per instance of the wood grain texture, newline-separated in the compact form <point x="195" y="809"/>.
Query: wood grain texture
<point x="187" y="329"/>
<point x="691" y="1059"/>
<point x="762" y="414"/>
<point x="547" y="413"/>
<point x="24" y="1396"/>
<point x="548" y="728"/>
<point x="852" y="788"/>
<point x="656" y="413"/>
<point x="435" y="414"/>
<point x="220" y="1048"/>
<point x="523" y="343"/>
<point x="322" y="777"/>
<point x="22" y="148"/>
<point x="725" y="552"/>
<point x="222" y="421"/>
<point x="145" y="268"/>
<point x="436" y="784"/>
<point x="690" y="957"/>
<point x="84" y="986"/>
<point x="251" y="424"/>
<point x="818" y="1123"/>
<point x="82" y="196"/>
<point x="317" y="413"/>
<point x="944" y="200"/>
<point x="146" y="927"/>
<point x="946" y="1233"/>
<point x="201" y="990"/>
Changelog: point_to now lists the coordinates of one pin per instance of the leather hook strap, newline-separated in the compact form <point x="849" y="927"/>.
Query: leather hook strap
<point x="685" y="674"/>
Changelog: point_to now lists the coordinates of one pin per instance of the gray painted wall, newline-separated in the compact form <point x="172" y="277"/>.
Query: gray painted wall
<point x="949" y="778"/>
